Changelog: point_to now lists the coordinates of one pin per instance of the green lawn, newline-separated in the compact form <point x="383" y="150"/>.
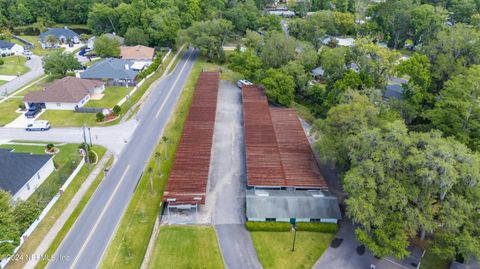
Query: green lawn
<point x="37" y="49"/>
<point x="2" y="82"/>
<point x="67" y="118"/>
<point x="13" y="66"/>
<point x="129" y="244"/>
<point x="274" y="248"/>
<point x="38" y="234"/>
<point x="186" y="247"/>
<point x="112" y="95"/>
<point x="7" y="110"/>
<point x="92" y="62"/>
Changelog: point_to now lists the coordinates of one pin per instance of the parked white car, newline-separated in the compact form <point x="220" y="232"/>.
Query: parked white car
<point x="38" y="125"/>
<point x="243" y="82"/>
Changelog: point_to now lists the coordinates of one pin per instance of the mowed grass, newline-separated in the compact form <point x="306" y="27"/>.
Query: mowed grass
<point x="7" y="110"/>
<point x="130" y="242"/>
<point x="274" y="249"/>
<point x="112" y="95"/>
<point x="37" y="49"/>
<point x="34" y="240"/>
<point x="186" y="247"/>
<point x="2" y="82"/>
<point x="13" y="65"/>
<point x="68" y="118"/>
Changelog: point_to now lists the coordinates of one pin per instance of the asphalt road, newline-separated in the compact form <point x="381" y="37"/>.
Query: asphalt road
<point x="113" y="137"/>
<point x="36" y="70"/>
<point x="85" y="244"/>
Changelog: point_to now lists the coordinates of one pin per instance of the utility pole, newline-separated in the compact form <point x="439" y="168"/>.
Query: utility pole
<point x="90" y="136"/>
<point x="85" y="144"/>
<point x="293" y="221"/>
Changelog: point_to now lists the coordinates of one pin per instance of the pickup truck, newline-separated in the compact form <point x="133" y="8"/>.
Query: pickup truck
<point x="33" y="111"/>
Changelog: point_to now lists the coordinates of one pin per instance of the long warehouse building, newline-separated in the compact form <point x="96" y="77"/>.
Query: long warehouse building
<point x="284" y="181"/>
<point x="187" y="183"/>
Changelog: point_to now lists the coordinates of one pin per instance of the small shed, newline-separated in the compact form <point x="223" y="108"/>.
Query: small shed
<point x="318" y="73"/>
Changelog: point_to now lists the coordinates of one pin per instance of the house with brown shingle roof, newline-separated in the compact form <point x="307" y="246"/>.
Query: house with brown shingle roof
<point x="65" y="94"/>
<point x="137" y="53"/>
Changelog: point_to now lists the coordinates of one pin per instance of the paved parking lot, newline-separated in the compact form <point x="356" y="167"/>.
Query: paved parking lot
<point x="227" y="182"/>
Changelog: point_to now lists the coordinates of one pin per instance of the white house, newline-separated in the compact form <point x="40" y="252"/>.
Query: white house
<point x="22" y="173"/>
<point x="9" y="48"/>
<point x="67" y="93"/>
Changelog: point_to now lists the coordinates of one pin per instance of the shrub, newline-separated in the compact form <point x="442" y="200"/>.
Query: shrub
<point x="100" y="117"/>
<point x="50" y="147"/>
<point x="22" y="106"/>
<point x="92" y="156"/>
<point x="2" y="61"/>
<point x="151" y="68"/>
<point x="255" y="226"/>
<point x="117" y="109"/>
<point x="317" y="227"/>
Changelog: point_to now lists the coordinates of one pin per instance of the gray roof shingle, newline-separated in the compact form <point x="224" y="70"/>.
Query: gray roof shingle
<point x="6" y="45"/>
<point x="292" y="204"/>
<point x="110" y="68"/>
<point x="17" y="168"/>
<point x="58" y="32"/>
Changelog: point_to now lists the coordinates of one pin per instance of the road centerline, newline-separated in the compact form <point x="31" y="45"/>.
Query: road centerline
<point x="107" y="205"/>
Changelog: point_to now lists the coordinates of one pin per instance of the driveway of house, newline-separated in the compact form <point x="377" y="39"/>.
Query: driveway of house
<point x="21" y="121"/>
<point x="7" y="78"/>
<point x="226" y="190"/>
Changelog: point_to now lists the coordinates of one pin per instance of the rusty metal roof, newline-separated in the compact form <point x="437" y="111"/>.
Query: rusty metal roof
<point x="277" y="150"/>
<point x="188" y="179"/>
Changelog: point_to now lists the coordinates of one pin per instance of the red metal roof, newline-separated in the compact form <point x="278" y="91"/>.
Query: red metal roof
<point x="277" y="150"/>
<point x="188" y="179"/>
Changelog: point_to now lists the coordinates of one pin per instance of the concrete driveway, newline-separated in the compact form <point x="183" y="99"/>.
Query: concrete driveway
<point x="345" y="256"/>
<point x="227" y="181"/>
<point x="21" y="121"/>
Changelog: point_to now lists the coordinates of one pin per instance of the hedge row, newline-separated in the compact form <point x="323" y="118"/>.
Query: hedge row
<point x="256" y="226"/>
<point x="151" y="68"/>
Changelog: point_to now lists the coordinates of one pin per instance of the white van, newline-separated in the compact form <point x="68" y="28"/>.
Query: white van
<point x="38" y="125"/>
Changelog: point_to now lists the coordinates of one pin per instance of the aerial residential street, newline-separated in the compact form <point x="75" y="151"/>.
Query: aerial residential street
<point x="86" y="242"/>
<point x="36" y="70"/>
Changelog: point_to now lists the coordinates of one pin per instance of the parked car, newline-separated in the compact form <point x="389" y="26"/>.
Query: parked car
<point x="243" y="82"/>
<point x="38" y="125"/>
<point x="27" y="53"/>
<point x="33" y="111"/>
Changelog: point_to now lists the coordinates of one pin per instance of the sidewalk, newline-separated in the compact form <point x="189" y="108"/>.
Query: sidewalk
<point x="50" y="236"/>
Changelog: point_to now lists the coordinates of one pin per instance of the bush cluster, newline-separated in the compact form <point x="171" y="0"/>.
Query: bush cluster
<point x="320" y="227"/>
<point x="151" y="68"/>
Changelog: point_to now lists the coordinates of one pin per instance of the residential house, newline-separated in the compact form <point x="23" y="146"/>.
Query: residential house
<point x="115" y="71"/>
<point x="62" y="36"/>
<point x="395" y="89"/>
<point x="9" y="48"/>
<point x="341" y="41"/>
<point x="67" y="93"/>
<point x="142" y="56"/>
<point x="91" y="40"/>
<point x="318" y="73"/>
<point x="22" y="173"/>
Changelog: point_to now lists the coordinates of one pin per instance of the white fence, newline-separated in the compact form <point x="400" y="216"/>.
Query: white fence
<point x="45" y="211"/>
<point x="142" y="81"/>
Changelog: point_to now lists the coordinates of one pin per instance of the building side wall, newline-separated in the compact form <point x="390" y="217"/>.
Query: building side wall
<point x="67" y="106"/>
<point x="35" y="181"/>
